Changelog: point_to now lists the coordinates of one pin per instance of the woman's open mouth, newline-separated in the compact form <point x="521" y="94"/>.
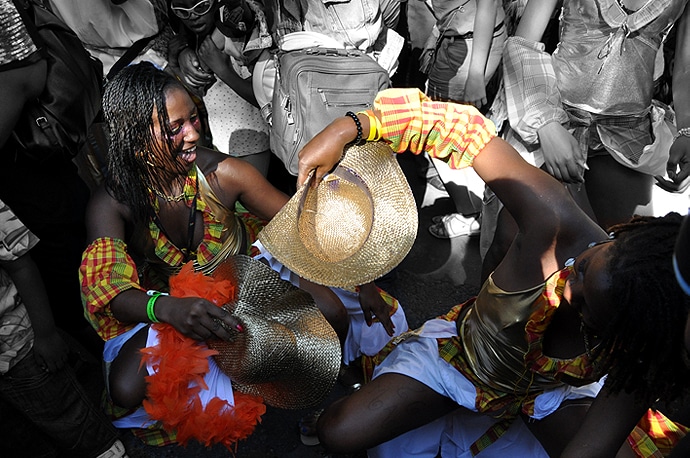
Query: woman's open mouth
<point x="188" y="155"/>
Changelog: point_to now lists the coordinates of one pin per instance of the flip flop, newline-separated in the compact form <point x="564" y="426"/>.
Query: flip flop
<point x="454" y="225"/>
<point x="307" y="428"/>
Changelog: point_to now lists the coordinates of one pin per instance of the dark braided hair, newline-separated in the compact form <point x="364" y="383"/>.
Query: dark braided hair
<point x="643" y="345"/>
<point x="129" y="101"/>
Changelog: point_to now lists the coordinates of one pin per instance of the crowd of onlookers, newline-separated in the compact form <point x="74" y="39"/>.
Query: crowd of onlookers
<point x="591" y="92"/>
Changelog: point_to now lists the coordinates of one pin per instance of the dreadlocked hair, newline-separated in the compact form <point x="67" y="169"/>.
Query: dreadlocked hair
<point x="643" y="345"/>
<point x="129" y="101"/>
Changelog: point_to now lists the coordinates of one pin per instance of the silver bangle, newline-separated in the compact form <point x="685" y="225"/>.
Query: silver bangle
<point x="684" y="132"/>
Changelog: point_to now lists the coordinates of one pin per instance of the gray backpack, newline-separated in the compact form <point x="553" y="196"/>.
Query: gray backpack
<point x="313" y="87"/>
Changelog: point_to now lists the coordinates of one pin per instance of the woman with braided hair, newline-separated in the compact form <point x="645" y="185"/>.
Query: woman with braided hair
<point x="568" y="305"/>
<point x="165" y="202"/>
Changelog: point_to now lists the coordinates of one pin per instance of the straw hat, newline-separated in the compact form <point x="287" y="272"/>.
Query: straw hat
<point x="356" y="226"/>
<point x="288" y="353"/>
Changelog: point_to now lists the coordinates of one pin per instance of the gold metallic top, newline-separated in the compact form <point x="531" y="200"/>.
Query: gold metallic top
<point x="493" y="334"/>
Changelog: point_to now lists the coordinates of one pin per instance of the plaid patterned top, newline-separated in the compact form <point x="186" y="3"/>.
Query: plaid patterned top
<point x="107" y="269"/>
<point x="451" y="132"/>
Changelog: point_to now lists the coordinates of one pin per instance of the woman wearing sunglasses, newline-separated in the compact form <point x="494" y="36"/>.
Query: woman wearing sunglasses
<point x="214" y="53"/>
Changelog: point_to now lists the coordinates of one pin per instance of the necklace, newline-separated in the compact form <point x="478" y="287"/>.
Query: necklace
<point x="168" y="198"/>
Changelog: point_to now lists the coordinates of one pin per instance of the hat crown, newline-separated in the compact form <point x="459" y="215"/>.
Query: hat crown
<point x="363" y="224"/>
<point x="335" y="222"/>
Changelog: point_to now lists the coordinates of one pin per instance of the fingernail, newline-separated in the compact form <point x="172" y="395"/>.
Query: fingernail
<point x="239" y="327"/>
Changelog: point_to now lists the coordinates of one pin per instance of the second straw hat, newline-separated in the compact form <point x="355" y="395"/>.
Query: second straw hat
<point x="288" y="353"/>
<point x="357" y="225"/>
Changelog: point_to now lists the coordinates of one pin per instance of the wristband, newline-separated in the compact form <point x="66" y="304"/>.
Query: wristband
<point x="374" y="126"/>
<point x="358" y="139"/>
<point x="151" y="303"/>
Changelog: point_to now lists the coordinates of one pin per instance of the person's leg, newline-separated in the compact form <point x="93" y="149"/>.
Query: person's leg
<point x="465" y="188"/>
<point x="127" y="385"/>
<point x="330" y="306"/>
<point x="382" y="409"/>
<point x="58" y="405"/>
<point x="555" y="431"/>
<point x="616" y="192"/>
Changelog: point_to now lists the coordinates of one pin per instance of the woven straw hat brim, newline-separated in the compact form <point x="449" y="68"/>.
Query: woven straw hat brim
<point x="288" y="353"/>
<point x="393" y="229"/>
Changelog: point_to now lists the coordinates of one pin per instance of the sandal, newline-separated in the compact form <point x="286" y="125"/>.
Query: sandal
<point x="307" y="428"/>
<point x="454" y="225"/>
<point x="351" y="376"/>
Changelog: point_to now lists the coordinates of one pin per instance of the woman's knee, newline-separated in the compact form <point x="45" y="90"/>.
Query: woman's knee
<point x="329" y="429"/>
<point x="127" y="386"/>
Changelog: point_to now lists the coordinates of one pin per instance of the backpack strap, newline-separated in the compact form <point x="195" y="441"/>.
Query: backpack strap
<point x="129" y="55"/>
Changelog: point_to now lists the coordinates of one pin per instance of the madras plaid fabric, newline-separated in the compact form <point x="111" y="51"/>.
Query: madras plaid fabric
<point x="579" y="367"/>
<point x="531" y="96"/>
<point x="253" y="225"/>
<point x="451" y="132"/>
<point x="629" y="134"/>
<point x="168" y="251"/>
<point x="154" y="435"/>
<point x="490" y="436"/>
<point x="106" y="270"/>
<point x="173" y="256"/>
<point x="655" y="435"/>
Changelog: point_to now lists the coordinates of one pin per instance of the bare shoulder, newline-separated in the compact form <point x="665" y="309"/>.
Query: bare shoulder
<point x="226" y="175"/>
<point x="106" y="216"/>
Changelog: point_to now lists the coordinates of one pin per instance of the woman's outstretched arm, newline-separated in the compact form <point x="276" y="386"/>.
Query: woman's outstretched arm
<point x="460" y="135"/>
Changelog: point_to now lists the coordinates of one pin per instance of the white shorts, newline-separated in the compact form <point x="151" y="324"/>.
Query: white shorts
<point x="453" y="434"/>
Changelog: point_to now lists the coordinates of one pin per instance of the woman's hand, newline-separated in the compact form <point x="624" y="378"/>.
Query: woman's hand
<point x="197" y="318"/>
<point x="475" y="90"/>
<point x="175" y="46"/>
<point x="324" y="151"/>
<point x="212" y="57"/>
<point x="563" y="158"/>
<point x="50" y="351"/>
<point x="677" y="167"/>
<point x="192" y="71"/>
<point x="374" y="306"/>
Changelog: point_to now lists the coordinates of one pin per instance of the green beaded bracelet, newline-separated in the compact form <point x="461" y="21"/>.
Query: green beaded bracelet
<point x="149" y="307"/>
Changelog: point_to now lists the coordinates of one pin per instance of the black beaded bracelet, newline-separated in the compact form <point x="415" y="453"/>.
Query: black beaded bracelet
<point x="358" y="140"/>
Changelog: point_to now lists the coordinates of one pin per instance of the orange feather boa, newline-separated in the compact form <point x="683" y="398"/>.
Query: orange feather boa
<point x="179" y="361"/>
